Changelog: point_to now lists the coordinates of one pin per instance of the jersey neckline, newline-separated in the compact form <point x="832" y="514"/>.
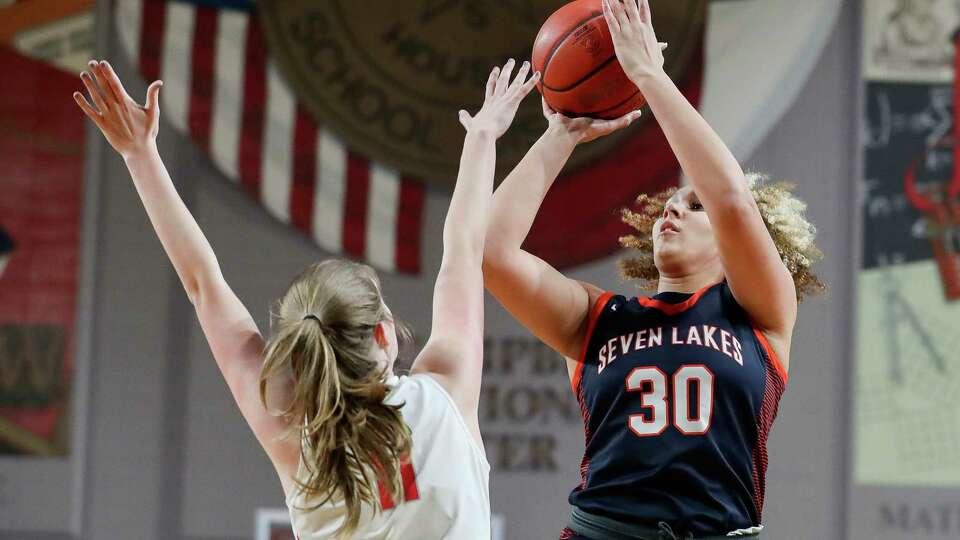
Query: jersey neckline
<point x="672" y="303"/>
<point x="673" y="297"/>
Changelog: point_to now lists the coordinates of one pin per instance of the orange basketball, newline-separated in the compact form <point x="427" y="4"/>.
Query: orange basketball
<point x="580" y="73"/>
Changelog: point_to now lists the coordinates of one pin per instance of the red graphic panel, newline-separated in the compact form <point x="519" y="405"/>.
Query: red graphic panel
<point x="41" y="148"/>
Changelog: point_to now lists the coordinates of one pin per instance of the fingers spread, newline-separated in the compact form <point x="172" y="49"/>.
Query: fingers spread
<point x="503" y="82"/>
<point x="620" y="12"/>
<point x="94" y="92"/>
<point x="87" y="108"/>
<point x="610" y="17"/>
<point x="646" y="17"/>
<point x="521" y="77"/>
<point x="100" y="79"/>
<point x="528" y="86"/>
<point x="492" y="81"/>
<point x="643" y="10"/>
<point x="103" y="81"/>
<point x="633" y="11"/>
<point x="113" y="82"/>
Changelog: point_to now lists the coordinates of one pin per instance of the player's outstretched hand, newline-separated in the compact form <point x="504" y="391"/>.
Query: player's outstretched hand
<point x="501" y="100"/>
<point x="126" y="124"/>
<point x="582" y="130"/>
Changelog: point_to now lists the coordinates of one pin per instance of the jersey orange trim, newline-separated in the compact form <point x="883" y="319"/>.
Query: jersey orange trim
<point x="591" y="324"/>
<point x="774" y="359"/>
<point x="673" y="309"/>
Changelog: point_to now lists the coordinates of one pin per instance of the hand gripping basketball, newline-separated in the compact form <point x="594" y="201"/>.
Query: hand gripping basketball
<point x="584" y="50"/>
<point x="581" y="130"/>
<point x="501" y="100"/>
<point x="635" y="42"/>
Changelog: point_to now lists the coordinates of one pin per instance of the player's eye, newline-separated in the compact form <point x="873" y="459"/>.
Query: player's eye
<point x="695" y="205"/>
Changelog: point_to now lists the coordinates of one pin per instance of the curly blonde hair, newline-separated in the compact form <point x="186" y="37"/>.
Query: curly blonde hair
<point x="782" y="213"/>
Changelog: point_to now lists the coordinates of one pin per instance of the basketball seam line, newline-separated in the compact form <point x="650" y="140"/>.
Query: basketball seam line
<point x="601" y="111"/>
<point x="559" y="42"/>
<point x="585" y="77"/>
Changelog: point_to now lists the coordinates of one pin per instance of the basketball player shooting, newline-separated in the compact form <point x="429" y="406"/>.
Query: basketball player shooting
<point x="678" y="390"/>
<point x="360" y="452"/>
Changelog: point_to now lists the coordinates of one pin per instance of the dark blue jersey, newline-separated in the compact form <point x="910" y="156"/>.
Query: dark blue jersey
<point x="678" y="393"/>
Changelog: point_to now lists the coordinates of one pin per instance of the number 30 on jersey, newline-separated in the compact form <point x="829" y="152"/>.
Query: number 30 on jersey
<point x="654" y="391"/>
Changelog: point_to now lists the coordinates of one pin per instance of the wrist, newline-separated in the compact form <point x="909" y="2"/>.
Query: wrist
<point x="558" y="134"/>
<point x="481" y="134"/>
<point x="140" y="151"/>
<point x="649" y="80"/>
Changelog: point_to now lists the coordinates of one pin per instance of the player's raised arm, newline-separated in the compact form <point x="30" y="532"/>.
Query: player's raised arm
<point x="753" y="267"/>
<point x="550" y="305"/>
<point x="454" y="351"/>
<point x="236" y="342"/>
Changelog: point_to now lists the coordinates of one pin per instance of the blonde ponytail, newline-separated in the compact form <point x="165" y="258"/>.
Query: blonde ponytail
<point x="350" y="441"/>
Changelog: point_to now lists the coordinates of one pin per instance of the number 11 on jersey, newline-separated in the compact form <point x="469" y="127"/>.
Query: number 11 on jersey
<point x="408" y="483"/>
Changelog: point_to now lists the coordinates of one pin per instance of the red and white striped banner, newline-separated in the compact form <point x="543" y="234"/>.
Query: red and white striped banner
<point x="222" y="90"/>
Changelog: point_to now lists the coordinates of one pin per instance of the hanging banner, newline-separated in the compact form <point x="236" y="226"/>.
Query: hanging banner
<point x="43" y="46"/>
<point x="906" y="459"/>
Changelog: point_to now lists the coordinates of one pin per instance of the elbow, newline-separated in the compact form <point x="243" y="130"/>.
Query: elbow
<point x="738" y="185"/>
<point x="489" y="266"/>
<point x="463" y="251"/>
<point x="192" y="287"/>
<point x="199" y="283"/>
<point x="738" y="201"/>
<point x="494" y="259"/>
<point x="463" y="239"/>
<point x="495" y="254"/>
<point x="463" y="246"/>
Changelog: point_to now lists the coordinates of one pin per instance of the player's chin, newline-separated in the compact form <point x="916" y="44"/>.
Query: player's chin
<point x="668" y="245"/>
<point x="667" y="257"/>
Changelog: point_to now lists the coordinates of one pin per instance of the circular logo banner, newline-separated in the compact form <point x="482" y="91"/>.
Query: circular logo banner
<point x="389" y="77"/>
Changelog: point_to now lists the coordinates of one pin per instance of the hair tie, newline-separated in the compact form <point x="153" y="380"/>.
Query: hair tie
<point x="323" y="328"/>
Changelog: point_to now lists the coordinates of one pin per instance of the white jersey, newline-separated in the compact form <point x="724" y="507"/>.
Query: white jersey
<point x="451" y="498"/>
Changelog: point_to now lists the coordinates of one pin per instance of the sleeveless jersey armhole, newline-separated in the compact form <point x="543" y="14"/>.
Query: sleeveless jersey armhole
<point x="770" y="354"/>
<point x="765" y="347"/>
<point x="459" y="416"/>
<point x="592" y="318"/>
<point x="295" y="488"/>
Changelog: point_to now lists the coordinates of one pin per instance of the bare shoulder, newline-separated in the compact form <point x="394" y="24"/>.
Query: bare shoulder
<point x="593" y="292"/>
<point x="778" y="343"/>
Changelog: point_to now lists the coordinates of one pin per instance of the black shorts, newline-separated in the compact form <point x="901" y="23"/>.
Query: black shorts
<point x="568" y="534"/>
<point x="601" y="528"/>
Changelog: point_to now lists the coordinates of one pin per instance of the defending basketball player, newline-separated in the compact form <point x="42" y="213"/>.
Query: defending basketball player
<point x="678" y="390"/>
<point x="360" y="452"/>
